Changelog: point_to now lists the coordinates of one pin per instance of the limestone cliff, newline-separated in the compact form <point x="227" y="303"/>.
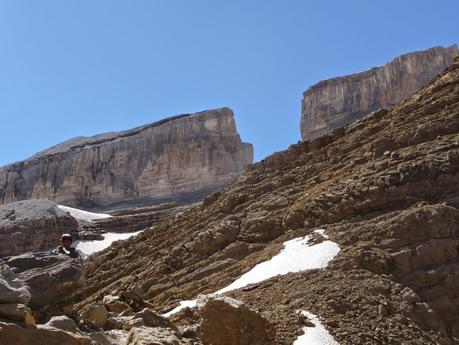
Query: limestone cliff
<point x="336" y="102"/>
<point x="180" y="159"/>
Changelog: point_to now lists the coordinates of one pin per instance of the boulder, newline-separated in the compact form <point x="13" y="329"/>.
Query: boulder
<point x="12" y="289"/>
<point x="12" y="333"/>
<point x="64" y="323"/>
<point x="152" y="336"/>
<point x="16" y="312"/>
<point x="54" y="280"/>
<point x="97" y="315"/>
<point x="226" y="321"/>
<point x="32" y="225"/>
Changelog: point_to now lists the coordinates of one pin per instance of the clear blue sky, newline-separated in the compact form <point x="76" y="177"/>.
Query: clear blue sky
<point x="77" y="67"/>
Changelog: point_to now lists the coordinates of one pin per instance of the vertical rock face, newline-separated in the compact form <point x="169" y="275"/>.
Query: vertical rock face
<point x="179" y="159"/>
<point x="336" y="102"/>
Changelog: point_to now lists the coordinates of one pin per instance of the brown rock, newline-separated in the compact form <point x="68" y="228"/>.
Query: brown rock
<point x="97" y="315"/>
<point x="149" y="336"/>
<point x="226" y="321"/>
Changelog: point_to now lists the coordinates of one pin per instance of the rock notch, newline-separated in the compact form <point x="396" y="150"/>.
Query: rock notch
<point x="181" y="158"/>
<point x="336" y="102"/>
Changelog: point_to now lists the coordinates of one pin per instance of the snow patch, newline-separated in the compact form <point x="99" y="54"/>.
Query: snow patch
<point x="317" y="335"/>
<point x="83" y="215"/>
<point x="296" y="256"/>
<point x="322" y="233"/>
<point x="183" y="305"/>
<point x="88" y="247"/>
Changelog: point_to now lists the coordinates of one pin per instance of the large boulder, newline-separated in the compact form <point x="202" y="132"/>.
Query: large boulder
<point x="151" y="336"/>
<point x="12" y="289"/>
<point x="32" y="225"/>
<point x="54" y="280"/>
<point x="226" y="321"/>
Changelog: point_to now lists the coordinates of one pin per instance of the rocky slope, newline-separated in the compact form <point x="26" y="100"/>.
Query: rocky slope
<point x="336" y="102"/>
<point x="386" y="189"/>
<point x="181" y="158"/>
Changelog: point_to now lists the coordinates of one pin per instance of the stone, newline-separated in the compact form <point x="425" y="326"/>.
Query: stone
<point x="111" y="337"/>
<point x="97" y="315"/>
<point x="54" y="280"/>
<point x="181" y="158"/>
<point x="152" y="319"/>
<point x="133" y="323"/>
<point x="37" y="225"/>
<point x="226" y="321"/>
<point x="64" y="323"/>
<point x="336" y="102"/>
<point x="117" y="306"/>
<point x="12" y="289"/>
<point x="152" y="336"/>
<point x="15" y="311"/>
<point x="21" y="334"/>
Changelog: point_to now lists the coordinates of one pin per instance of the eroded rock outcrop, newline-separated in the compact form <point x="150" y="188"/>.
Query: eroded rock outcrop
<point x="336" y="102"/>
<point x="53" y="279"/>
<point x="181" y="158"/>
<point x="385" y="188"/>
<point x="32" y="225"/>
<point x="226" y="321"/>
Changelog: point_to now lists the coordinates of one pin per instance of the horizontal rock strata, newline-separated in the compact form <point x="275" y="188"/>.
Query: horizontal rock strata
<point x="181" y="158"/>
<point x="32" y="225"/>
<point x="336" y="102"/>
<point x="385" y="188"/>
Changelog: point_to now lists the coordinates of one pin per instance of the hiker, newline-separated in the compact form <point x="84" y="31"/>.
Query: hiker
<point x="66" y="247"/>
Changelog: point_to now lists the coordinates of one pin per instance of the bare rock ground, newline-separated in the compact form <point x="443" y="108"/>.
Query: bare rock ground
<point x="386" y="189"/>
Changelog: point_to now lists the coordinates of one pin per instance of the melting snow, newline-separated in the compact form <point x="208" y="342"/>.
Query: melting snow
<point x="83" y="215"/>
<point x="317" y="335"/>
<point x="297" y="255"/>
<point x="88" y="247"/>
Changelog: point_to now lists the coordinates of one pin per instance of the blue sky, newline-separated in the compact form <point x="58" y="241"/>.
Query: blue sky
<point x="77" y="67"/>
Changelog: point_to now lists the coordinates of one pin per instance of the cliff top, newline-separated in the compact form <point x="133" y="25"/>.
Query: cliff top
<point x="83" y="141"/>
<point x="453" y="50"/>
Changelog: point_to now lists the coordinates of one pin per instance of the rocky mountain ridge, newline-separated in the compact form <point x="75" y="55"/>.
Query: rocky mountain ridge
<point x="336" y="102"/>
<point x="384" y="188"/>
<point x="177" y="159"/>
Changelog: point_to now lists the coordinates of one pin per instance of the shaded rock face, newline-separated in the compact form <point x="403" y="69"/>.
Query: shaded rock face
<point x="32" y="225"/>
<point x="14" y="296"/>
<point x="54" y="280"/>
<point x="336" y="102"/>
<point x="385" y="188"/>
<point x="178" y="159"/>
<point x="226" y="321"/>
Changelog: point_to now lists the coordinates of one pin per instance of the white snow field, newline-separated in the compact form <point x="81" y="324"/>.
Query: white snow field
<point x="88" y="247"/>
<point x="83" y="215"/>
<point x="296" y="256"/>
<point x="317" y="335"/>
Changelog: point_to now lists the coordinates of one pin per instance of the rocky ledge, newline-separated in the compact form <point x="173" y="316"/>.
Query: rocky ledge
<point x="336" y="102"/>
<point x="32" y="225"/>
<point x="181" y="158"/>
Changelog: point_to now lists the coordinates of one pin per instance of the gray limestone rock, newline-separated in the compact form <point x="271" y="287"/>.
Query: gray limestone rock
<point x="336" y="102"/>
<point x="181" y="158"/>
<point x="32" y="225"/>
